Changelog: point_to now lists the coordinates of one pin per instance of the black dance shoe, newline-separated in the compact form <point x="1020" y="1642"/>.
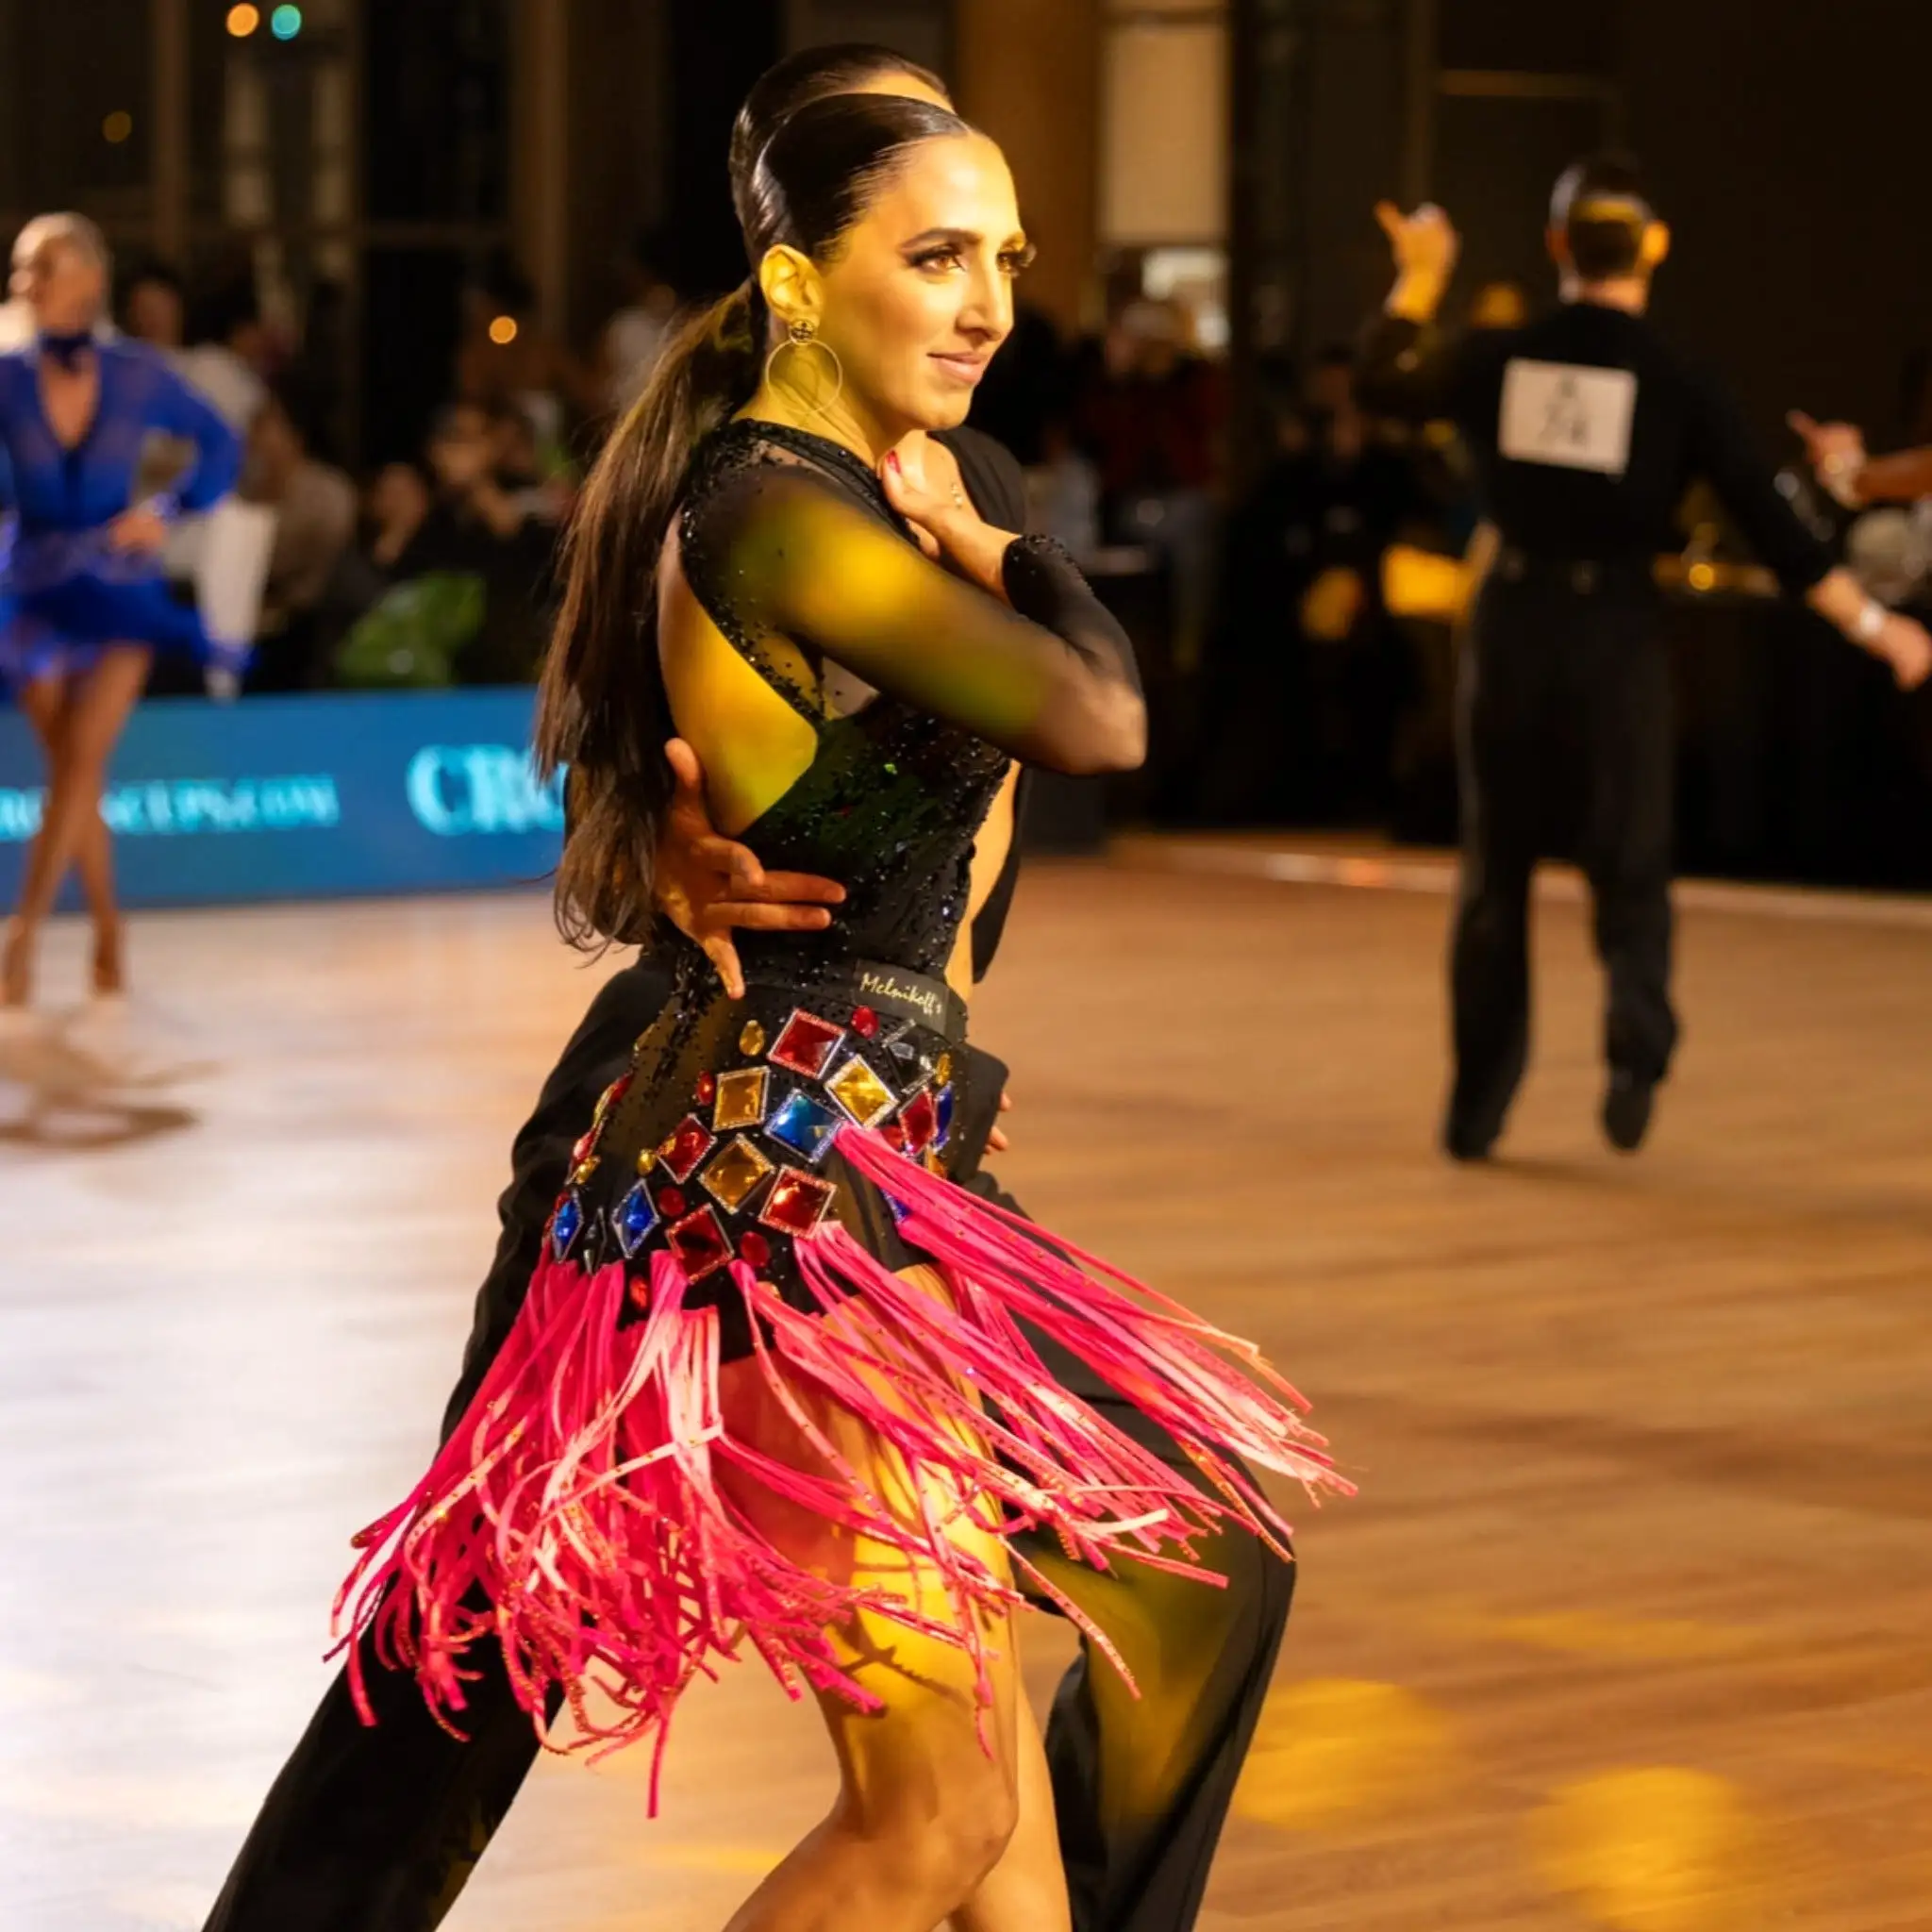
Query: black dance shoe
<point x="1469" y="1141"/>
<point x="1627" y="1106"/>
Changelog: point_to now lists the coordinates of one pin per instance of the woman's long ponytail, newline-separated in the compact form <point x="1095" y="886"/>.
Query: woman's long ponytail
<point x="602" y="713"/>
<point x="606" y="635"/>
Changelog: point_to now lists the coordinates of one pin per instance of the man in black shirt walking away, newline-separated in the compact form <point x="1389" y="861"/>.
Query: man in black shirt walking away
<point x="1585" y="429"/>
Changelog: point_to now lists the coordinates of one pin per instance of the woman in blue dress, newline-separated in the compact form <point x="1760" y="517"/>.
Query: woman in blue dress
<point x="83" y="604"/>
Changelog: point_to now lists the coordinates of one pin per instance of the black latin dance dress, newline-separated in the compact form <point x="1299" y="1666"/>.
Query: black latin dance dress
<point x="379" y="1827"/>
<point x="759" y="1184"/>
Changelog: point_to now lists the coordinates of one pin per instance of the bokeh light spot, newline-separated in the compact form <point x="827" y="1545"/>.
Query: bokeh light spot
<point x="1335" y="1751"/>
<point x="503" y="330"/>
<point x="1655" y="1850"/>
<point x="243" y="20"/>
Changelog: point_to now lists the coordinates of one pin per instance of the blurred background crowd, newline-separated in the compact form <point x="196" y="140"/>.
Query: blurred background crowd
<point x="423" y="256"/>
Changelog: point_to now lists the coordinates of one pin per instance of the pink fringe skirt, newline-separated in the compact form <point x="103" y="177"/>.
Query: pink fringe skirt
<point x="576" y="1515"/>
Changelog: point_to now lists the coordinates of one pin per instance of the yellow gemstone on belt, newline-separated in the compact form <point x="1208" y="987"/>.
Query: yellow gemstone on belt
<point x="943" y="1071"/>
<point x="860" y="1093"/>
<point x="736" y="1170"/>
<point x="740" y="1099"/>
<point x="647" y="1161"/>
<point x="752" y="1041"/>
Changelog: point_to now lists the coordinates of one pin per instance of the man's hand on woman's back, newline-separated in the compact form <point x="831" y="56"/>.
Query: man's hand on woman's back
<point x="709" y="886"/>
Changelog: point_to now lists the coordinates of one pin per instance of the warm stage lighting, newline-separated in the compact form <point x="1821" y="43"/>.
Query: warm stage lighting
<point x="243" y="20"/>
<point x="503" y="330"/>
<point x="285" y="23"/>
<point x="117" y="126"/>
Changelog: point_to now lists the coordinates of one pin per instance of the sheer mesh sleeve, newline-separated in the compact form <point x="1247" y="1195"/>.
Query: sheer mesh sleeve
<point x="1406" y="371"/>
<point x="1049" y="681"/>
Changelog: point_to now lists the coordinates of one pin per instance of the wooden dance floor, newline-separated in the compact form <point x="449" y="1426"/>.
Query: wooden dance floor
<point x="1630" y="1627"/>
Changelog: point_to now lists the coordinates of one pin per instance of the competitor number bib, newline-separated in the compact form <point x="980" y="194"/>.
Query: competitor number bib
<point x="1567" y="414"/>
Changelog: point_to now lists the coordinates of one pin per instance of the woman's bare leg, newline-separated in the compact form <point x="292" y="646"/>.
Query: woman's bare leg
<point x="79" y="726"/>
<point x="1026" y="1891"/>
<point x="925" y="1813"/>
<point x="43" y="704"/>
<point x="94" y="861"/>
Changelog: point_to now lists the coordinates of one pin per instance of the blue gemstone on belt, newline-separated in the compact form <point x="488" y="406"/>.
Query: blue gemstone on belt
<point x="944" y="1104"/>
<point x="632" y="1220"/>
<point x="566" y="1225"/>
<point x="805" y="1126"/>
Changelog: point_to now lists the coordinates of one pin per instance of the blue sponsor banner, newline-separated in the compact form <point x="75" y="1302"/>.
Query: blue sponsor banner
<point x="307" y="797"/>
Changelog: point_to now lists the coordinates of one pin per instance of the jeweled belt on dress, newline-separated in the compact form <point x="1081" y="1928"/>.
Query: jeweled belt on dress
<point x="928" y="1003"/>
<point x="748" y="1158"/>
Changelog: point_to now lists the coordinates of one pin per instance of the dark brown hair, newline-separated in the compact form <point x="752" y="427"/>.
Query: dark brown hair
<point x="601" y="708"/>
<point x="796" y="82"/>
<point x="1601" y="210"/>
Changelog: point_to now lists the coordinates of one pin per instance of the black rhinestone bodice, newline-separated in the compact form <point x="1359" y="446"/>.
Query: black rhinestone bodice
<point x="708" y="1147"/>
<point x="894" y="798"/>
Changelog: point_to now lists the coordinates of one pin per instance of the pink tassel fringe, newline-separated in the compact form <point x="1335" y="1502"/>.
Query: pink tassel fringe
<point x="576" y="1514"/>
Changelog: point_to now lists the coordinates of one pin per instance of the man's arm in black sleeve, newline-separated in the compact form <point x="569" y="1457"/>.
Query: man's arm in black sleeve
<point x="997" y="486"/>
<point x="1408" y="370"/>
<point x="1728" y="455"/>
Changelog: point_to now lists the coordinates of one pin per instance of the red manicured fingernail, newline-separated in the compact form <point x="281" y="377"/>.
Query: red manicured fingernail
<point x="892" y="459"/>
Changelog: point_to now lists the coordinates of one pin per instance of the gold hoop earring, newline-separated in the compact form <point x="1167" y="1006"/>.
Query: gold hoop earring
<point x="804" y="335"/>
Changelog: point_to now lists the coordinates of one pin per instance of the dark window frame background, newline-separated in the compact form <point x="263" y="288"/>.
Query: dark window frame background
<point x="356" y="176"/>
<point x="63" y="70"/>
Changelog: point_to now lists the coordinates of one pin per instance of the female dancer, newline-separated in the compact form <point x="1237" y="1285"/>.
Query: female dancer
<point x="85" y="605"/>
<point x="377" y="1828"/>
<point x="768" y="1386"/>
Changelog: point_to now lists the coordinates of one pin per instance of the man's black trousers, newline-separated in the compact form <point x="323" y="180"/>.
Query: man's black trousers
<point x="1566" y="747"/>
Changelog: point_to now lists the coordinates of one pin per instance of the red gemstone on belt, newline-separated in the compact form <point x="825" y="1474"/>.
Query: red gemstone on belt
<point x="805" y="1044"/>
<point x="706" y="1090"/>
<point x="699" y="1244"/>
<point x="920" y="1118"/>
<point x="753" y="1250"/>
<point x="866" y="1022"/>
<point x="797" y="1202"/>
<point x="688" y="1146"/>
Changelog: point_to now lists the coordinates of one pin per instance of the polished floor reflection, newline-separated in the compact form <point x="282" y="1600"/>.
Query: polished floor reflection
<point x="1627" y="1631"/>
